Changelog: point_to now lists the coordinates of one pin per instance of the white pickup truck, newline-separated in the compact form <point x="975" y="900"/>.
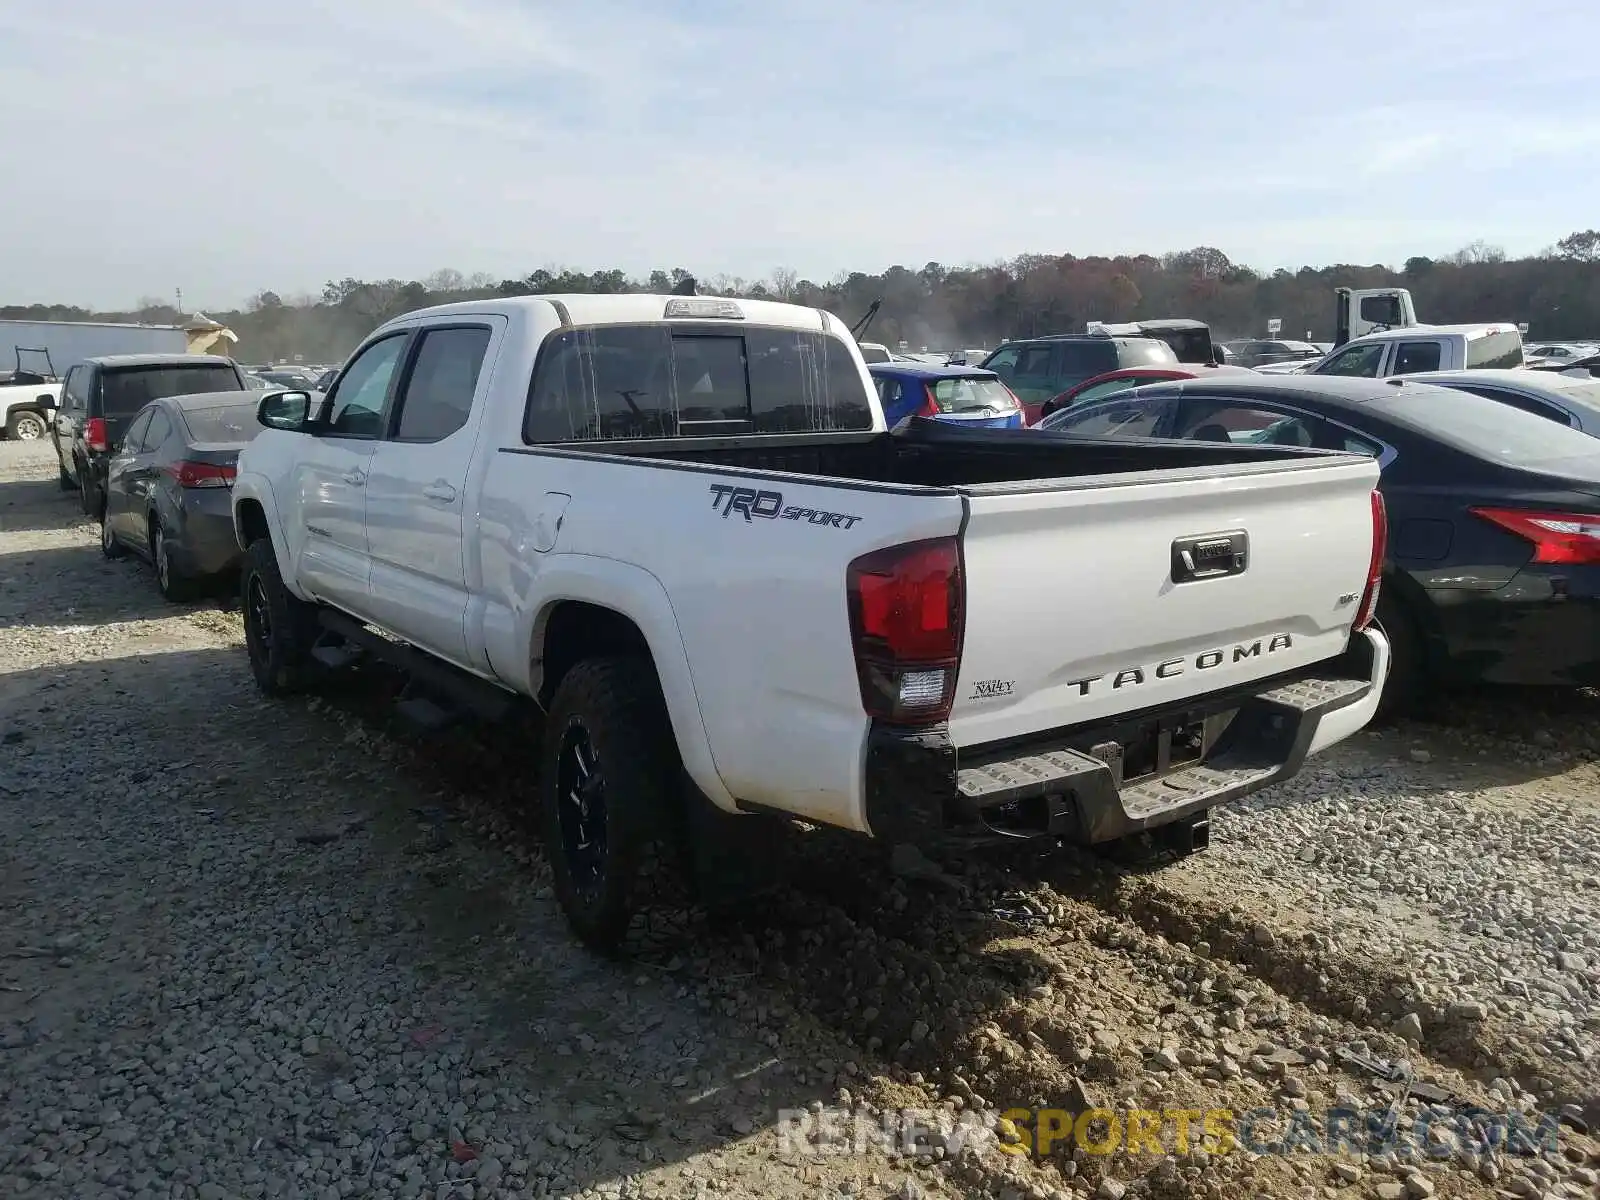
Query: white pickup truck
<point x="28" y="402"/>
<point x="680" y="527"/>
<point x="1409" y="351"/>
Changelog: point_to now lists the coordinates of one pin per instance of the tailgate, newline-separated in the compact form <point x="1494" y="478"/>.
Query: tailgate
<point x="1073" y="613"/>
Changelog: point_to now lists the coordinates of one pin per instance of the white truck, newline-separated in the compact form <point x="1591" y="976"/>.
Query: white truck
<point x="28" y="401"/>
<point x="679" y="526"/>
<point x="1408" y="351"/>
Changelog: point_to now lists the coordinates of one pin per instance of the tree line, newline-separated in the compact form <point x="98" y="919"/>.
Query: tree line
<point x="1557" y="292"/>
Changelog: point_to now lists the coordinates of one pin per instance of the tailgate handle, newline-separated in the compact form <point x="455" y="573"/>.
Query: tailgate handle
<point x="1210" y="556"/>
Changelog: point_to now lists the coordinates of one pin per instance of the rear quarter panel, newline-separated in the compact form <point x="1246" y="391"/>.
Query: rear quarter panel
<point x="765" y="678"/>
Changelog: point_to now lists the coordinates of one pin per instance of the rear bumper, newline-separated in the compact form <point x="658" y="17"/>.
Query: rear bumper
<point x="1541" y="628"/>
<point x="921" y="789"/>
<point x="205" y="542"/>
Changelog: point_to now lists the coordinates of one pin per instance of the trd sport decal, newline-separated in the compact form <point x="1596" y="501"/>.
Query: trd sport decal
<point x="750" y="504"/>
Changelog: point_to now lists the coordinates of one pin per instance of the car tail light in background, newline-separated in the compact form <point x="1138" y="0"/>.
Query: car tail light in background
<point x="1380" y="550"/>
<point x="201" y="474"/>
<point x="1557" y="537"/>
<point x="94" y="434"/>
<point x="907" y="612"/>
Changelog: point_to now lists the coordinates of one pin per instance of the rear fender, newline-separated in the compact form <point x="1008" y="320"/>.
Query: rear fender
<point x="636" y="594"/>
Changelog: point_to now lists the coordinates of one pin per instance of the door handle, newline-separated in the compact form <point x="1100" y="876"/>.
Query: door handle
<point x="439" y="490"/>
<point x="355" y="478"/>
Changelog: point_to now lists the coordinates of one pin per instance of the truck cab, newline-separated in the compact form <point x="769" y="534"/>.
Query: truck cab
<point x="1408" y="351"/>
<point x="1360" y="311"/>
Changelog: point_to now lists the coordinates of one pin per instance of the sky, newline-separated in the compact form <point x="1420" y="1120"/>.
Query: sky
<point x="161" y="146"/>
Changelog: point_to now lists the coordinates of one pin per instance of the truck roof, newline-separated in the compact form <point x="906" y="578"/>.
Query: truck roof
<point x="94" y="324"/>
<point x="1410" y="331"/>
<point x="629" y="309"/>
<point x="157" y="360"/>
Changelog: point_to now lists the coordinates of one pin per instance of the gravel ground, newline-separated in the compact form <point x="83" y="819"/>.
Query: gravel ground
<point x="258" y="949"/>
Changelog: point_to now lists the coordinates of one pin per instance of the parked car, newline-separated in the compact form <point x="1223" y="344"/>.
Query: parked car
<point x="100" y="396"/>
<point x="325" y="380"/>
<point x="1038" y="368"/>
<point x="1561" y="350"/>
<point x="1494" y="552"/>
<point x="935" y="633"/>
<point x="1572" y="400"/>
<point x="1113" y="382"/>
<point x="964" y="395"/>
<point x="1258" y="354"/>
<point x="28" y="401"/>
<point x="167" y="488"/>
<point x="289" y="377"/>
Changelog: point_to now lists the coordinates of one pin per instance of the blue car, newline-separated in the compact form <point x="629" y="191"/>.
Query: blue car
<point x="961" y="395"/>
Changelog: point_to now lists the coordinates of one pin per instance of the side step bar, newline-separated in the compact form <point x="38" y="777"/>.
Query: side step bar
<point x="434" y="690"/>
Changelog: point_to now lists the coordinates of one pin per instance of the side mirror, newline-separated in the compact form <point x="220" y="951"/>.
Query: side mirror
<point x="295" y="412"/>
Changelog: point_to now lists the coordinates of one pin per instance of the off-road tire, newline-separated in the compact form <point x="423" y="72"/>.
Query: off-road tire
<point x="64" y="481"/>
<point x="176" y="588"/>
<point x="637" y="893"/>
<point x="90" y="498"/>
<point x="109" y="546"/>
<point x="281" y="660"/>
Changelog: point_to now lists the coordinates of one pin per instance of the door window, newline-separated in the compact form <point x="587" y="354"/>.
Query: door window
<point x="1360" y="361"/>
<point x="1003" y="363"/>
<point x="72" y="391"/>
<point x="1243" y="423"/>
<point x="1411" y="357"/>
<point x="359" y="398"/>
<point x="437" y="399"/>
<point x="160" y="426"/>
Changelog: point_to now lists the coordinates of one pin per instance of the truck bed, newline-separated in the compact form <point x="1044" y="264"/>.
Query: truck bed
<point x="933" y="454"/>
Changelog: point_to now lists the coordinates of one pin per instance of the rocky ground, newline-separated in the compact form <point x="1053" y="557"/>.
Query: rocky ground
<point x="268" y="949"/>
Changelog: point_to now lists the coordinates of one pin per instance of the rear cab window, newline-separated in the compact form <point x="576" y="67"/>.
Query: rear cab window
<point x="1495" y="351"/>
<point x="614" y="382"/>
<point x="1143" y="352"/>
<point x="125" y="390"/>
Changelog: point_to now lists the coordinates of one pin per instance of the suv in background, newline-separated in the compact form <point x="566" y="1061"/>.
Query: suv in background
<point x="1037" y="369"/>
<point x="100" y="396"/>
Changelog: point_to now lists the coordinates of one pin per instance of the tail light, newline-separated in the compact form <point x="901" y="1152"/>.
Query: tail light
<point x="1380" y="550"/>
<point x="907" y="614"/>
<point x="201" y="474"/>
<point x="1571" y="539"/>
<point x="94" y="434"/>
<point x="930" y="406"/>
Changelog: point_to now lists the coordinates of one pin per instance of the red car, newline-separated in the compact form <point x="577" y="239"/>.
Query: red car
<point x="1121" y="380"/>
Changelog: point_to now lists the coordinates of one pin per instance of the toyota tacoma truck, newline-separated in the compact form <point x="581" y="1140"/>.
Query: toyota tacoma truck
<point x="679" y="527"/>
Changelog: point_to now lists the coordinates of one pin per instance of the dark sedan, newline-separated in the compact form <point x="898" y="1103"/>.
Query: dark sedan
<point x="168" y="488"/>
<point x="1566" y="399"/>
<point x="1494" y="513"/>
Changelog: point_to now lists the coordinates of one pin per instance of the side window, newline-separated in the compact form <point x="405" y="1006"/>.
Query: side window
<point x="1361" y="361"/>
<point x="134" y="438"/>
<point x="358" y="400"/>
<point x="1351" y="444"/>
<point x="79" y="379"/>
<point x="156" y="433"/>
<point x="1004" y="363"/>
<point x="1033" y="362"/>
<point x="1538" y="408"/>
<point x="437" y="399"/>
<point x="1411" y="357"/>
<point x="1114" y="418"/>
<point x="1246" y="423"/>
